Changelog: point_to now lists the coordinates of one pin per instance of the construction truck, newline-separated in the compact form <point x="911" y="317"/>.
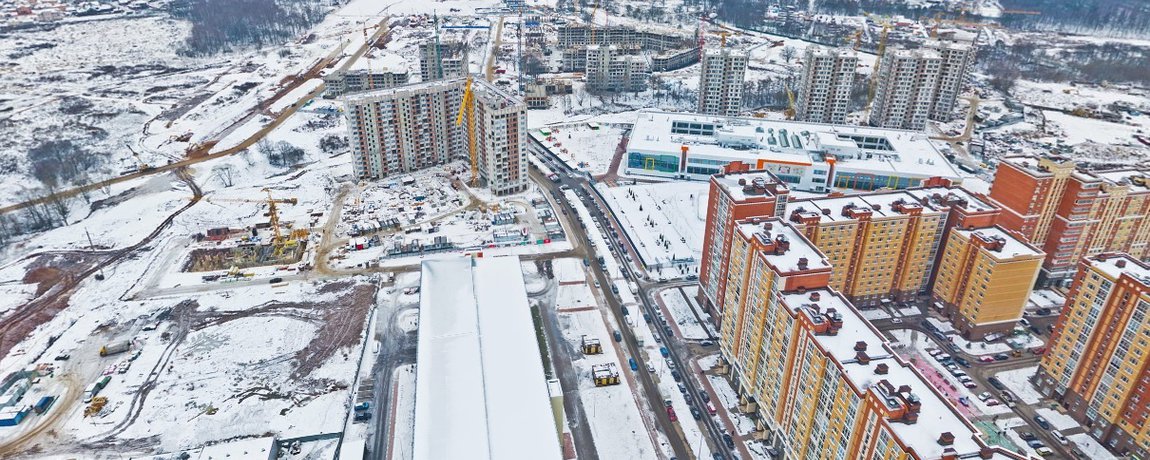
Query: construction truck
<point x="115" y="348"/>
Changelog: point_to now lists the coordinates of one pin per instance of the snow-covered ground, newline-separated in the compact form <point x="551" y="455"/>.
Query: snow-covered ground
<point x="912" y="345"/>
<point x="665" y="224"/>
<point x="1018" y="342"/>
<point x="403" y="427"/>
<point x="681" y="314"/>
<point x="1057" y="419"/>
<point x="1091" y="447"/>
<point x="581" y="147"/>
<point x="1018" y="382"/>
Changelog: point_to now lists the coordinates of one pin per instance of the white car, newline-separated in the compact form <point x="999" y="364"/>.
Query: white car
<point x="984" y="396"/>
<point x="1060" y="437"/>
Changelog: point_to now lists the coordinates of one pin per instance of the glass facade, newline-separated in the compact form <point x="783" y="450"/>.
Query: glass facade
<point x="661" y="163"/>
<point x="859" y="181"/>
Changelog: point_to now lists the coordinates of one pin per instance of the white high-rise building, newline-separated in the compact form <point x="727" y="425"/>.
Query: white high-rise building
<point x="826" y="84"/>
<point x="721" y="77"/>
<point x="905" y="89"/>
<point x="956" y="61"/>
<point x="412" y="127"/>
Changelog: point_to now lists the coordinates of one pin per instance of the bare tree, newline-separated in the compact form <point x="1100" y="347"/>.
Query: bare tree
<point x="225" y="174"/>
<point x="788" y="53"/>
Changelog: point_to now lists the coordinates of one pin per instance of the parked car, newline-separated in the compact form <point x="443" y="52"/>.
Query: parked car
<point x="728" y="440"/>
<point x="997" y="384"/>
<point x="1001" y="357"/>
<point x="675" y="375"/>
<point x="1034" y="444"/>
<point x="618" y="336"/>
<point x="671" y="414"/>
<point x="707" y="343"/>
<point x="961" y="361"/>
<point x="1060" y="437"/>
<point x="984" y="396"/>
<point x="1007" y="396"/>
<point x="706" y="397"/>
<point x="1042" y="422"/>
<point x="1044" y="451"/>
<point x="696" y="414"/>
<point x="276" y="280"/>
<point x="1027" y="436"/>
<point x="985" y="359"/>
<point x="992" y="402"/>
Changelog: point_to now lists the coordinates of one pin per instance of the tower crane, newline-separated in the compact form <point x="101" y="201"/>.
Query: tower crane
<point x="790" y="112"/>
<point x="467" y="110"/>
<point x="279" y="240"/>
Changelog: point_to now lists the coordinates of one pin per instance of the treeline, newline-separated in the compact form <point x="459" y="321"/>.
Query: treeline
<point x="223" y="25"/>
<point x="1091" y="63"/>
<point x="1112" y="18"/>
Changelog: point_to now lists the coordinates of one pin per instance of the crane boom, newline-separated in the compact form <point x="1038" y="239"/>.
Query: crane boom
<point x="467" y="110"/>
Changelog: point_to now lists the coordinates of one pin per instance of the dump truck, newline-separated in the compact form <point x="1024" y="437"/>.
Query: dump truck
<point x="115" y="348"/>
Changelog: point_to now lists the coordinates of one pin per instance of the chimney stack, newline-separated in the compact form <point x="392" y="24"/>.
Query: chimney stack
<point x="1120" y="263"/>
<point x="802" y="263"/>
<point x="946" y="439"/>
<point x="881" y="369"/>
<point x="860" y="346"/>
<point x="815" y="297"/>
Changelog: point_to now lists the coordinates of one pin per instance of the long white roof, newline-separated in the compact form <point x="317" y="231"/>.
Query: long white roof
<point x="480" y="388"/>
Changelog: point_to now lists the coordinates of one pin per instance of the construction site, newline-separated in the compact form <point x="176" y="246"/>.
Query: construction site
<point x="261" y="243"/>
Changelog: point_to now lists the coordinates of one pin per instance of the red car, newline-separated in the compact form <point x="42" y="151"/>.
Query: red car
<point x="1038" y="350"/>
<point x="671" y="414"/>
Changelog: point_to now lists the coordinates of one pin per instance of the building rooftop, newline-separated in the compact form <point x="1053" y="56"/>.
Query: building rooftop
<point x="378" y="94"/>
<point x="1012" y="246"/>
<point x="937" y="196"/>
<point x="1115" y="264"/>
<point x="794" y="254"/>
<point x="879" y="205"/>
<point x="381" y="62"/>
<point x="480" y="387"/>
<point x="493" y="94"/>
<point x="1137" y="179"/>
<point x="749" y="184"/>
<point x="1030" y="164"/>
<point x="878" y="151"/>
<point x="937" y="415"/>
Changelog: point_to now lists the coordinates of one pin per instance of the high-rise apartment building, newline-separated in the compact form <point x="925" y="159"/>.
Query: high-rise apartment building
<point x="501" y="139"/>
<point x="442" y="59"/>
<point x="905" y="89"/>
<point x="1071" y="212"/>
<point x="823" y="381"/>
<point x="956" y="60"/>
<point x="721" y="75"/>
<point x="733" y="197"/>
<point x="411" y="127"/>
<point x="882" y="245"/>
<point x="984" y="279"/>
<point x="609" y="70"/>
<point x="1097" y="363"/>
<point x="825" y="85"/>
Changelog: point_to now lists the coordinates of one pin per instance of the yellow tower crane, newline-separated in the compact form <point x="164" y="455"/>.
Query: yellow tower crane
<point x="790" y="112"/>
<point x="467" y="110"/>
<point x="279" y="240"/>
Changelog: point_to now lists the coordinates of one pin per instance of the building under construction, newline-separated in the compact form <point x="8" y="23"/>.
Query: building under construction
<point x="267" y="243"/>
<point x="442" y="59"/>
<point x="413" y="127"/>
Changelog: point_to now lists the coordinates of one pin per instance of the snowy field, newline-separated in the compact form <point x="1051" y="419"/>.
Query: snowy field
<point x="581" y="147"/>
<point x="982" y="348"/>
<point x="617" y="420"/>
<point x="1057" y="419"/>
<point x="665" y="224"/>
<point x="1018" y="382"/>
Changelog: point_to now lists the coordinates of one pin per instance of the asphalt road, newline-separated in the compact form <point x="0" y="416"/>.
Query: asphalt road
<point x="680" y="351"/>
<point x="397" y="348"/>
